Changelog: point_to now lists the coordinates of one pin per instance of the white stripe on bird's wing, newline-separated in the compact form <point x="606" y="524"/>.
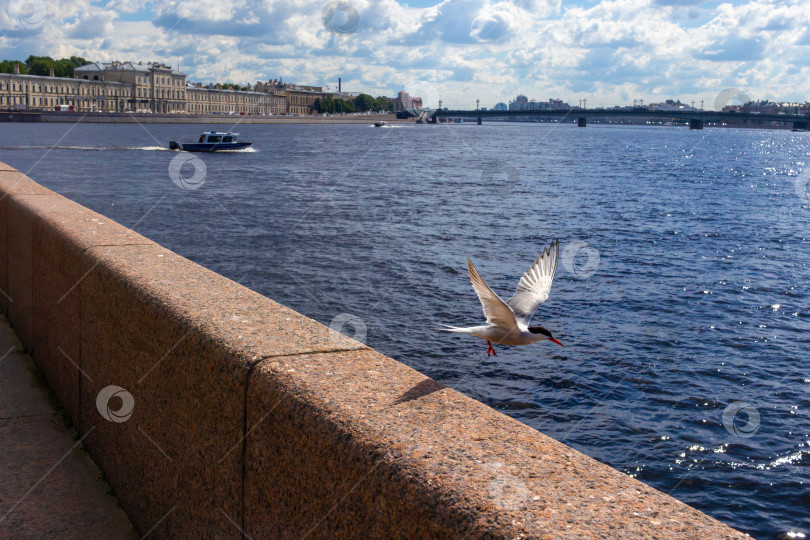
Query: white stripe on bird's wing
<point x="496" y="311"/>
<point x="535" y="284"/>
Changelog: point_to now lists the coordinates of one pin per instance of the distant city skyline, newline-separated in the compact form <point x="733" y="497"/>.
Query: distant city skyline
<point x="610" y="52"/>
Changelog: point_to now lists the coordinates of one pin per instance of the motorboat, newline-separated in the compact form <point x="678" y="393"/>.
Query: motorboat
<point x="380" y="123"/>
<point x="212" y="141"/>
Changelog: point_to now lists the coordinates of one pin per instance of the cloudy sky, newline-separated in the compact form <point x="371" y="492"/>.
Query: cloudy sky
<point x="607" y="51"/>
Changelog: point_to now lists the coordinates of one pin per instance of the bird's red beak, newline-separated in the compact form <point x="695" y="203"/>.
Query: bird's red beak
<point x="557" y="342"/>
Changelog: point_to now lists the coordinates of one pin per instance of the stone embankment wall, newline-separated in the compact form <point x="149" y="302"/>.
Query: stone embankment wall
<point x="215" y="412"/>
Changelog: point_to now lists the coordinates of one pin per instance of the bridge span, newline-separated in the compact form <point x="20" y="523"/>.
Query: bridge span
<point x="696" y="118"/>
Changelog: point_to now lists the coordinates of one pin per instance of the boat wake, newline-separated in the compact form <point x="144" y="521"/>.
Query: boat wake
<point x="86" y="148"/>
<point x="247" y="150"/>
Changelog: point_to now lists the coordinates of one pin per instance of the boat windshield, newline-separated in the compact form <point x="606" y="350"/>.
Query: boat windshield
<point x="214" y="138"/>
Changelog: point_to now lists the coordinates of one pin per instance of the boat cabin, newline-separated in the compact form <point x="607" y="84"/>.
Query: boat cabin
<point x="217" y="137"/>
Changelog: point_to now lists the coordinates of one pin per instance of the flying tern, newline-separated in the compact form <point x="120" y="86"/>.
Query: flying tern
<point x="508" y="322"/>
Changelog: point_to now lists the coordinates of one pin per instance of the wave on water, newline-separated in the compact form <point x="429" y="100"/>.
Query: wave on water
<point x="155" y="148"/>
<point x="247" y="150"/>
<point x="115" y="148"/>
<point x="792" y="459"/>
<point x="90" y="148"/>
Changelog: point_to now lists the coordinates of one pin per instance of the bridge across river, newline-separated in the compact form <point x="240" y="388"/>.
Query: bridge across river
<point x="696" y="118"/>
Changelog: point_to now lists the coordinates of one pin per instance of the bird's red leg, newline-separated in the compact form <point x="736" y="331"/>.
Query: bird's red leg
<point x="491" y="349"/>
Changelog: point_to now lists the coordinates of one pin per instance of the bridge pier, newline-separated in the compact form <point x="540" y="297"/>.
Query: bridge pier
<point x="801" y="126"/>
<point x="480" y="121"/>
<point x="581" y="122"/>
<point x="695" y="123"/>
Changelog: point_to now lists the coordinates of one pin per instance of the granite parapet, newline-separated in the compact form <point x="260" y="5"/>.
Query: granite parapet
<point x="216" y="412"/>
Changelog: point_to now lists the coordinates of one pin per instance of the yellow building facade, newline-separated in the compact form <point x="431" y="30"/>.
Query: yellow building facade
<point x="149" y="87"/>
<point x="47" y="92"/>
<point x="202" y="100"/>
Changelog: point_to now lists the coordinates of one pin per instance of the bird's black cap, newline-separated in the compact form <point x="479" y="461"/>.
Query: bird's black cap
<point x="539" y="330"/>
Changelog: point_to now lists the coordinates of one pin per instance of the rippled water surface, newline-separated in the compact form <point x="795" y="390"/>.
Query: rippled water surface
<point x="698" y="298"/>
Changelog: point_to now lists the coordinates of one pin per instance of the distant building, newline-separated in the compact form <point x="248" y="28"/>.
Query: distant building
<point x="155" y="87"/>
<point x="500" y="107"/>
<point x="150" y="87"/>
<point x="405" y="101"/>
<point x="299" y="99"/>
<point x="770" y="107"/>
<point x="215" y="99"/>
<point x="37" y="92"/>
<point x="671" y="106"/>
<point x="522" y="103"/>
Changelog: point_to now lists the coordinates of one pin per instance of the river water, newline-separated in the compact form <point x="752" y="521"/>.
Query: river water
<point x="682" y="293"/>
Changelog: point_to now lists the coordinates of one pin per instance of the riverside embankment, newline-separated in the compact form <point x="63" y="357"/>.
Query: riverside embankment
<point x="230" y="119"/>
<point x="215" y="412"/>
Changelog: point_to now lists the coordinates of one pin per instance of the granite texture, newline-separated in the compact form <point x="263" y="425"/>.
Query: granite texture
<point x="19" y="257"/>
<point x="355" y="444"/>
<point x="248" y="415"/>
<point x="4" y="296"/>
<point x="230" y="313"/>
<point x="181" y="339"/>
<point x="164" y="462"/>
<point x="15" y="251"/>
<point x="62" y="230"/>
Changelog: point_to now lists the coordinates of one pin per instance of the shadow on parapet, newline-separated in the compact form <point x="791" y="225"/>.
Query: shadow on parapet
<point x="428" y="386"/>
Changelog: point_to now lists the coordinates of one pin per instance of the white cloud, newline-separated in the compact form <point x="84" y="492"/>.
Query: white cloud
<point x="609" y="51"/>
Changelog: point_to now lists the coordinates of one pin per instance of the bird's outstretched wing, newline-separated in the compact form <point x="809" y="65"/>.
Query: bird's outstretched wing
<point x="535" y="284"/>
<point x="495" y="310"/>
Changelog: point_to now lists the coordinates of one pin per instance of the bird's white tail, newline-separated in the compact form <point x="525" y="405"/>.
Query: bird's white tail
<point x="448" y="328"/>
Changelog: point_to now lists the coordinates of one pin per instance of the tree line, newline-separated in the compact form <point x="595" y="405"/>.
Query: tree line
<point x="361" y="103"/>
<point x="231" y="86"/>
<point x="41" y="65"/>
